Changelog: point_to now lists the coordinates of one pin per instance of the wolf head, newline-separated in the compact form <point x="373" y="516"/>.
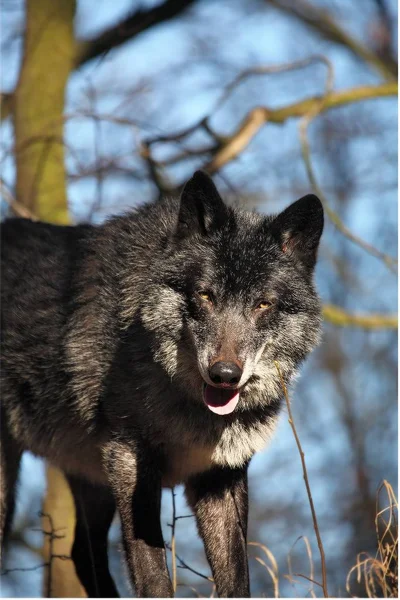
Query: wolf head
<point x="234" y="296"/>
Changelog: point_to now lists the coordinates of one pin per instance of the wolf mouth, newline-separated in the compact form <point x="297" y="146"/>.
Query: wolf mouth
<point x="221" y="401"/>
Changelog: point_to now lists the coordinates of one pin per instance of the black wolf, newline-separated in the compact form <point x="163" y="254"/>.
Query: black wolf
<point x="141" y="353"/>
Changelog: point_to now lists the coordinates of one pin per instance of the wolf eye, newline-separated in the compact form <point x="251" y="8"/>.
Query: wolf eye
<point x="206" y="296"/>
<point x="264" y="305"/>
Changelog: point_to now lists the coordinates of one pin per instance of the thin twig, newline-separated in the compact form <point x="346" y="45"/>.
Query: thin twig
<point x="91" y="93"/>
<point x="52" y="535"/>
<point x="23" y="569"/>
<point x="308" y="579"/>
<point x="280" y="115"/>
<point x="323" y="22"/>
<point x="184" y="565"/>
<point x="19" y="209"/>
<point x="173" y="542"/>
<point x="310" y="558"/>
<point x="271" y="70"/>
<point x="305" y="476"/>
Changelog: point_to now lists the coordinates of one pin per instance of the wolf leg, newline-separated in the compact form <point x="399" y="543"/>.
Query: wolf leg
<point x="10" y="458"/>
<point x="136" y="482"/>
<point x="219" y="500"/>
<point x="95" y="508"/>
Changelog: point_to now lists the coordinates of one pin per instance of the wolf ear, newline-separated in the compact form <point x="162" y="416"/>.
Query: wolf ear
<point x="298" y="229"/>
<point x="202" y="208"/>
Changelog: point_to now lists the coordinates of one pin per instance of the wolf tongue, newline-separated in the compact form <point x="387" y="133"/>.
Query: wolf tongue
<point x="219" y="400"/>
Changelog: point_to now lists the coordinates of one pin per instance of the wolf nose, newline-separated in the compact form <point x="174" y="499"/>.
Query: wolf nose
<point x="227" y="373"/>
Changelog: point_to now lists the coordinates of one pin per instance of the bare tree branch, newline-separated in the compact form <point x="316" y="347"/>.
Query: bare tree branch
<point x="16" y="207"/>
<point x="382" y="33"/>
<point x="184" y="565"/>
<point x="129" y="28"/>
<point x="52" y="536"/>
<point x="322" y="22"/>
<point x="259" y="116"/>
<point x="337" y="316"/>
<point x="277" y="69"/>
<point x="390" y="262"/>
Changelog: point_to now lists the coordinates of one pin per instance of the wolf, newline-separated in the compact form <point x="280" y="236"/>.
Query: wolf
<point x="142" y="353"/>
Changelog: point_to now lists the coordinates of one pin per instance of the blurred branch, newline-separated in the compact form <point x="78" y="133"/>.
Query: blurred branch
<point x="96" y="205"/>
<point x="390" y="262"/>
<point x="261" y="115"/>
<point x="333" y="100"/>
<point x="327" y="102"/>
<point x="17" y="208"/>
<point x="237" y="142"/>
<point x="337" y="316"/>
<point x="227" y="148"/>
<point x="324" y="24"/>
<point x="125" y="30"/>
<point x="307" y="483"/>
<point x="6" y="105"/>
<point x="382" y="33"/>
<point x="52" y="535"/>
<point x="254" y="120"/>
<point x="110" y="169"/>
<point x="277" y="69"/>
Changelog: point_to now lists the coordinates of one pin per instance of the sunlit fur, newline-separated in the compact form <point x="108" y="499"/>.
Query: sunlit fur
<point x="133" y="282"/>
<point x="107" y="343"/>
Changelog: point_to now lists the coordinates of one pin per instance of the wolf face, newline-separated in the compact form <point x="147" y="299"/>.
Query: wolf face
<point x="235" y="295"/>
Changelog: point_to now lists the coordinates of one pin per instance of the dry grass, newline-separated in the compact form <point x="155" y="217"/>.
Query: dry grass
<point x="272" y="567"/>
<point x="373" y="576"/>
<point x="378" y="574"/>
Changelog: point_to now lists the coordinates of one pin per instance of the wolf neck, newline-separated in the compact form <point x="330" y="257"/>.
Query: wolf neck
<point x="228" y="443"/>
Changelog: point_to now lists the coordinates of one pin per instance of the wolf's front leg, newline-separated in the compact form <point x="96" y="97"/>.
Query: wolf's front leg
<point x="135" y="478"/>
<point x="220" y="502"/>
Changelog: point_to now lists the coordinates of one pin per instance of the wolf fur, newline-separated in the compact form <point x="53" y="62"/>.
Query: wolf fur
<point x="108" y="337"/>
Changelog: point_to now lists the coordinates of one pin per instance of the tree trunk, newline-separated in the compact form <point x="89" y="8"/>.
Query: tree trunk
<point x="60" y="580"/>
<point x="38" y="108"/>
